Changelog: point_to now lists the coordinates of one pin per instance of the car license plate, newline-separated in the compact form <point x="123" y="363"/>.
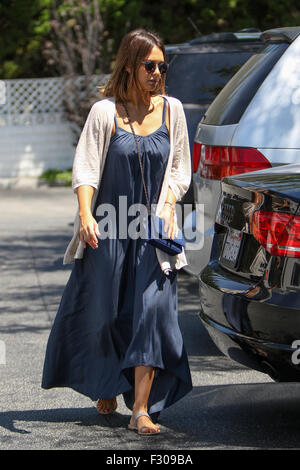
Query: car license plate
<point x="232" y="246"/>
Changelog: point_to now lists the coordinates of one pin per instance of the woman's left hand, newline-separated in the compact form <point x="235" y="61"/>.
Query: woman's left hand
<point x="168" y="214"/>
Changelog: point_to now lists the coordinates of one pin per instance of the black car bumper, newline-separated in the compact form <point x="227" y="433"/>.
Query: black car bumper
<point x="258" y="333"/>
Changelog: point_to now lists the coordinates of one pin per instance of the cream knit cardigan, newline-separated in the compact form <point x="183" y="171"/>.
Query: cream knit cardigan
<point x="89" y="163"/>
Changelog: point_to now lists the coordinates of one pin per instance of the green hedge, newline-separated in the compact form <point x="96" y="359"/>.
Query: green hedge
<point x="55" y="176"/>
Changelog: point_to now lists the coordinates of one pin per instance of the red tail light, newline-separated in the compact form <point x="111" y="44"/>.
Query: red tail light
<point x="279" y="233"/>
<point x="196" y="155"/>
<point x="217" y="162"/>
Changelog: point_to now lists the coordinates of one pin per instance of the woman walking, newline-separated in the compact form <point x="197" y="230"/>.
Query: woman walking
<point x="116" y="330"/>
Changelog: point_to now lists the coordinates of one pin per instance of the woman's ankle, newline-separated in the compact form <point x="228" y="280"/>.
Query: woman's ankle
<point x="137" y="407"/>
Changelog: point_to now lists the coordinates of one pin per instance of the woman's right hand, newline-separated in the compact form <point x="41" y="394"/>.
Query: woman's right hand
<point x="88" y="230"/>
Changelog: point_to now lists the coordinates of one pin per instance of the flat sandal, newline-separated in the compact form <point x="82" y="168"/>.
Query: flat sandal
<point x="111" y="408"/>
<point x="133" y="427"/>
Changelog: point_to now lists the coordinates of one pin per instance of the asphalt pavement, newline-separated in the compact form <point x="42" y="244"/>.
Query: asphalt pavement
<point x="230" y="406"/>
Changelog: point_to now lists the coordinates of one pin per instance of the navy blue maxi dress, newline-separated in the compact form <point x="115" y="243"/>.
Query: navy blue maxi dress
<point x="118" y="309"/>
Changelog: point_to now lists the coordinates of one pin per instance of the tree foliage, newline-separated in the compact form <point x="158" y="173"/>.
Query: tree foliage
<point x="75" y="39"/>
<point x="26" y="25"/>
<point x="74" y="47"/>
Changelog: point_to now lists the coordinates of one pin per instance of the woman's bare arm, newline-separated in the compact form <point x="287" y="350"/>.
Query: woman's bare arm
<point x="168" y="212"/>
<point x="88" y="225"/>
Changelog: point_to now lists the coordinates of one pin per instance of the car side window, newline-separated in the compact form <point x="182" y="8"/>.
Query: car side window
<point x="198" y="77"/>
<point x="230" y="104"/>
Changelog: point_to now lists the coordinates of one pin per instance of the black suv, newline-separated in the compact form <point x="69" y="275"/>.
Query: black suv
<point x="199" y="69"/>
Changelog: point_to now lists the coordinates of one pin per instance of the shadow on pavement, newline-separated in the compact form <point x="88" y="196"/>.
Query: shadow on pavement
<point x="237" y="416"/>
<point x="44" y="251"/>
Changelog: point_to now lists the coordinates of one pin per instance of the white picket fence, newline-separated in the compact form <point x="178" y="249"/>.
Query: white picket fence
<point x="34" y="134"/>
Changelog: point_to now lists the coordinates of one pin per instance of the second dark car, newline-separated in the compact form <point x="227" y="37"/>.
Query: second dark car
<point x="250" y="290"/>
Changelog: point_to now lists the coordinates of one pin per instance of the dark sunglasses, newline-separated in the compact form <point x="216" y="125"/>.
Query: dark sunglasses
<point x="150" y="66"/>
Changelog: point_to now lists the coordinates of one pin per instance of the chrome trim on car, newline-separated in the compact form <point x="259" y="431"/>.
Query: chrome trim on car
<point x="215" y="135"/>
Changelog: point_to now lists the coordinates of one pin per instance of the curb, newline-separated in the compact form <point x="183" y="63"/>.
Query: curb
<point x="29" y="182"/>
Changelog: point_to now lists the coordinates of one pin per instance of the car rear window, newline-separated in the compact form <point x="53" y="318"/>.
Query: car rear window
<point x="230" y="104"/>
<point x="198" y="78"/>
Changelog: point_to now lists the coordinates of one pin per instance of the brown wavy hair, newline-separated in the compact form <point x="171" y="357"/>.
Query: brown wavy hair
<point x="134" y="48"/>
